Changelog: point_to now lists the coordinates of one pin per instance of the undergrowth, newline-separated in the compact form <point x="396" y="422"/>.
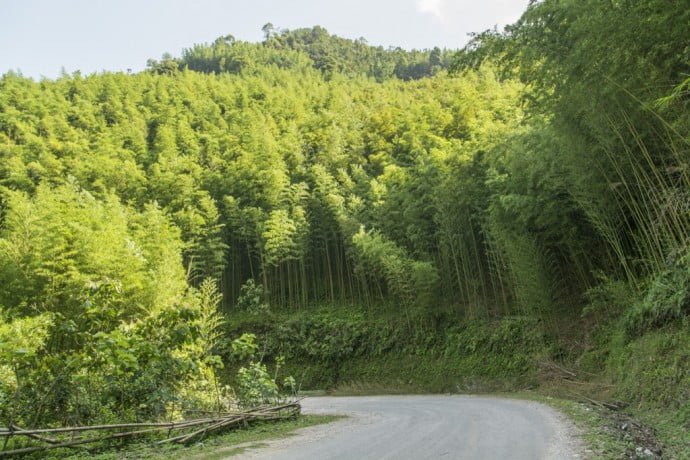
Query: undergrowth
<point x="632" y="347"/>
<point x="326" y="350"/>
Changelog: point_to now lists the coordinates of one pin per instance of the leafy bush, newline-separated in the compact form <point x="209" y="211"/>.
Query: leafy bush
<point x="255" y="385"/>
<point x="608" y="298"/>
<point x="20" y="341"/>
<point x="667" y="300"/>
<point x="98" y="322"/>
<point x="511" y="343"/>
<point x="252" y="299"/>
<point x="319" y="338"/>
<point x="325" y="348"/>
<point x="654" y="369"/>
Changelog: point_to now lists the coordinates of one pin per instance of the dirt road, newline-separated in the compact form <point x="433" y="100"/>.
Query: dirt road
<point x="421" y="427"/>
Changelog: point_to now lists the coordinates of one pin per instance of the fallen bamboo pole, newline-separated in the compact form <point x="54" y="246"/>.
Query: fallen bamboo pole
<point x="26" y="450"/>
<point x="35" y="436"/>
<point x="212" y="424"/>
<point x="10" y="432"/>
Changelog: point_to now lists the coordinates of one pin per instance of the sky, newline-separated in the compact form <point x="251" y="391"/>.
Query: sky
<point x="40" y="38"/>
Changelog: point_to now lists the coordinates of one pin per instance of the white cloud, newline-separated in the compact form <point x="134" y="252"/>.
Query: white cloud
<point x="472" y="15"/>
<point x="433" y="7"/>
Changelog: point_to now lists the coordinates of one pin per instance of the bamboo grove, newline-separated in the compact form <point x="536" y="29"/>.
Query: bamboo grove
<point x="321" y="191"/>
<point x="517" y="183"/>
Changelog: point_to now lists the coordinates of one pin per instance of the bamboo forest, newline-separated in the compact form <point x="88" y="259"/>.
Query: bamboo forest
<point x="309" y="212"/>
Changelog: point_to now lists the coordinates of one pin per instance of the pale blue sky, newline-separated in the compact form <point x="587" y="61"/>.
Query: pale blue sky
<point x="40" y="37"/>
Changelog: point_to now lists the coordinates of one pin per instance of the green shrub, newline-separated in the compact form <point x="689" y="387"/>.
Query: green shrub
<point x="667" y="300"/>
<point x="252" y="299"/>
<point x="255" y="385"/>
<point x="326" y="349"/>
<point x="654" y="369"/>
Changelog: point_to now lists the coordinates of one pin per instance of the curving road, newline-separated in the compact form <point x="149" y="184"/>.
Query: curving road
<point x="421" y="427"/>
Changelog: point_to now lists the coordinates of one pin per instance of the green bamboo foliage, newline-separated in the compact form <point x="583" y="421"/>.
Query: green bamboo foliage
<point x="269" y="163"/>
<point x="549" y="172"/>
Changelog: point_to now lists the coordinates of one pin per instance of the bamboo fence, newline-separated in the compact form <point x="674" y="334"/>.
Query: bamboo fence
<point x="180" y="432"/>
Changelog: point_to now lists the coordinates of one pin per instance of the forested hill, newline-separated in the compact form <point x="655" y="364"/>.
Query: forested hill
<point x="543" y="185"/>
<point x="313" y="47"/>
<point x="127" y="200"/>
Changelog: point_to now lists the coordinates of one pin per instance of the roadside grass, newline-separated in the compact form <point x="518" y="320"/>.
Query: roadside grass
<point x="671" y="429"/>
<point x="214" y="447"/>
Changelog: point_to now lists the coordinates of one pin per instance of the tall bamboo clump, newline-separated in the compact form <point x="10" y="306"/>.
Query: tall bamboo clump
<point x="645" y="216"/>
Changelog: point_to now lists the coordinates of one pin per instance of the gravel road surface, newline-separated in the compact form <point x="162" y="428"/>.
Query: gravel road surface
<point x="421" y="427"/>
